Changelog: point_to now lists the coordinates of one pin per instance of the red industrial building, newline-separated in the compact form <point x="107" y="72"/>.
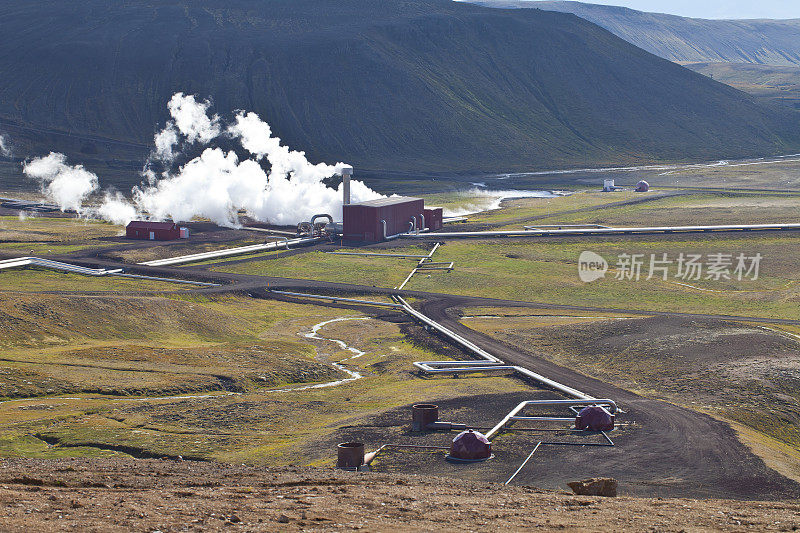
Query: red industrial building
<point x="434" y="219"/>
<point x="374" y="220"/>
<point x="155" y="231"/>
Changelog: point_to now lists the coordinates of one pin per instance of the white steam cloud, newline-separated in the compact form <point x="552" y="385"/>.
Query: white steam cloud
<point x="65" y="185"/>
<point x="273" y="184"/>
<point x="189" y="119"/>
<point x="116" y="209"/>
<point x="5" y="150"/>
<point x="217" y="184"/>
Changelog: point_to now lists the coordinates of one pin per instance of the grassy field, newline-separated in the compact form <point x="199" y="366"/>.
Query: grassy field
<point x="547" y="271"/>
<point x="376" y="271"/>
<point x="198" y="377"/>
<point x="652" y="209"/>
<point x="32" y="235"/>
<point x="185" y="374"/>
<point x="194" y="245"/>
<point x="691" y="209"/>
<point x="36" y="279"/>
<point x="773" y="174"/>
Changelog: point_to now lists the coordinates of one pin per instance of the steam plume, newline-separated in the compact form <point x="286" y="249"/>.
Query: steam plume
<point x="65" y="185"/>
<point x="274" y="184"/>
<point x="269" y="181"/>
<point x="189" y="119"/>
<point x="5" y="150"/>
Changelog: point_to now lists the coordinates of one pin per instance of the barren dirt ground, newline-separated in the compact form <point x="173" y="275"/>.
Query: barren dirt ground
<point x="160" y="495"/>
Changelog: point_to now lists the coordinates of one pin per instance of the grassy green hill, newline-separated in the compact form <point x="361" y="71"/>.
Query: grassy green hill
<point x="413" y="85"/>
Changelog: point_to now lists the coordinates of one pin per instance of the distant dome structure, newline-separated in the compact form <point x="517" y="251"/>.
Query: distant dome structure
<point x="642" y="186"/>
<point x="470" y="446"/>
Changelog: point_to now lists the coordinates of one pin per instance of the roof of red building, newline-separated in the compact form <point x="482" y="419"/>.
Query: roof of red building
<point x="391" y="200"/>
<point x="146" y="224"/>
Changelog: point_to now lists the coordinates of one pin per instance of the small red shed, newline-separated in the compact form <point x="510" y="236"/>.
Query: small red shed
<point x="434" y="220"/>
<point x="365" y="221"/>
<point x="154" y="231"/>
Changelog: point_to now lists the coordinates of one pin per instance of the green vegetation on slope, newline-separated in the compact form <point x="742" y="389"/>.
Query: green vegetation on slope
<point x="106" y="352"/>
<point x="770" y="42"/>
<point x="773" y="83"/>
<point x="422" y="85"/>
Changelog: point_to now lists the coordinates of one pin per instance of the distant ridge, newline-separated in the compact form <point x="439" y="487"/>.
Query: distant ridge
<point x="406" y="86"/>
<point x="682" y="39"/>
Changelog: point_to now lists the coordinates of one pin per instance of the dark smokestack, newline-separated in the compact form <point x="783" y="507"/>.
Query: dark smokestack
<point x="347" y="171"/>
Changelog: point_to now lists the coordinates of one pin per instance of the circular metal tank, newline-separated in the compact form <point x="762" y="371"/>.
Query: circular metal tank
<point x="470" y="446"/>
<point x="351" y="455"/>
<point x="423" y="414"/>
<point x="642" y="186"/>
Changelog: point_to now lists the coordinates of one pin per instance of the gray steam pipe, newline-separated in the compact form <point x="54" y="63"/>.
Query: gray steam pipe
<point x="95" y="272"/>
<point x="421" y="262"/>
<point x="388" y="237"/>
<point x="606" y="231"/>
<point x="321" y="215"/>
<point x="512" y="415"/>
<point x="401" y="256"/>
<point x="422" y="221"/>
<point x="334" y="299"/>
<point x="241" y="250"/>
<point x="285" y="239"/>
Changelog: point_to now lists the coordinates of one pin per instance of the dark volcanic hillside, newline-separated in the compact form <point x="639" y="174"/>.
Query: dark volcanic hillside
<point x="682" y="39"/>
<point x="404" y="85"/>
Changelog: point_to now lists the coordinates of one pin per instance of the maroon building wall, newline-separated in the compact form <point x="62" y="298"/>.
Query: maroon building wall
<point x="434" y="219"/>
<point x="362" y="222"/>
<point x="162" y="231"/>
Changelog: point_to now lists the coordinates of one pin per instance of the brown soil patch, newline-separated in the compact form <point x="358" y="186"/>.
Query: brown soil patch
<point x="149" y="495"/>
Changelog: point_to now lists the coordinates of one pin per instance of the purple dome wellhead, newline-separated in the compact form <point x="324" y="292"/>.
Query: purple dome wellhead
<point x="470" y="445"/>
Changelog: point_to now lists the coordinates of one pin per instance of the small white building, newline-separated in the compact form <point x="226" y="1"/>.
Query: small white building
<point x="608" y="186"/>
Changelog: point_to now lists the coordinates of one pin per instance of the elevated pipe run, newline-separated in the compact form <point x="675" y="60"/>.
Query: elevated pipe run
<point x="22" y="262"/>
<point x="602" y="231"/>
<point x="335" y="299"/>
<point x="437" y="266"/>
<point x="419" y="264"/>
<point x="561" y="226"/>
<point x="321" y="215"/>
<point x="228" y="252"/>
<point x="388" y="237"/>
<point x="373" y="254"/>
<point x="608" y="443"/>
<point x="512" y="416"/>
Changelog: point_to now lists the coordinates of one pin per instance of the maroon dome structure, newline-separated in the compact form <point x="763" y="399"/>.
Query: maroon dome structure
<point x="470" y="446"/>
<point x="642" y="186"/>
<point x="594" y="418"/>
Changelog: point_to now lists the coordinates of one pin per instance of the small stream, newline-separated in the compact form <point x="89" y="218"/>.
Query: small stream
<point x="314" y="334"/>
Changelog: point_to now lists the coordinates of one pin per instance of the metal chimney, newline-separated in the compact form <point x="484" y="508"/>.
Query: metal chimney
<point x="346" y="172"/>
